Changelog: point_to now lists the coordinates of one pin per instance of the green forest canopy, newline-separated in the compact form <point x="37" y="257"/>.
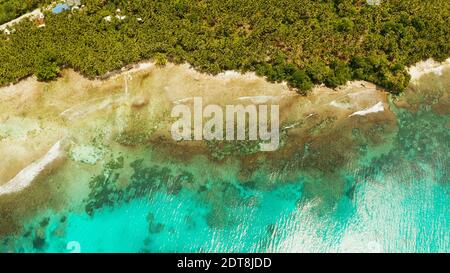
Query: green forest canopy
<point x="11" y="9"/>
<point x="302" y="42"/>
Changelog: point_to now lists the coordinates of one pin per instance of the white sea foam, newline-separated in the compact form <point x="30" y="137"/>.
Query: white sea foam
<point x="26" y="176"/>
<point x="373" y="109"/>
<point x="291" y="126"/>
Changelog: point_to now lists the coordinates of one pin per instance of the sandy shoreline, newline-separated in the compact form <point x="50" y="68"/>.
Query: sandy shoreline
<point x="174" y="84"/>
<point x="426" y="67"/>
<point x="416" y="71"/>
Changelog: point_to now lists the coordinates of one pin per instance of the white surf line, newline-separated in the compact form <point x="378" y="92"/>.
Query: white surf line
<point x="27" y="175"/>
<point x="298" y="122"/>
<point x="373" y="109"/>
<point x="292" y="125"/>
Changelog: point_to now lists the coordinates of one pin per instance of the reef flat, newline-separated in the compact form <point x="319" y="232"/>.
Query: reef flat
<point x="97" y="165"/>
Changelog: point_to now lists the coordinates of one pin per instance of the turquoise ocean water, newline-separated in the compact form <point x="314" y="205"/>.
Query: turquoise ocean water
<point x="397" y="201"/>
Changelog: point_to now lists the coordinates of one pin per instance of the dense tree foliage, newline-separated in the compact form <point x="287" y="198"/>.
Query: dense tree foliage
<point x="46" y="67"/>
<point x="302" y="42"/>
<point x="11" y="9"/>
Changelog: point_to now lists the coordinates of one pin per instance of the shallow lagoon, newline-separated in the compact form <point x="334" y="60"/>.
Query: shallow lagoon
<point x="135" y="192"/>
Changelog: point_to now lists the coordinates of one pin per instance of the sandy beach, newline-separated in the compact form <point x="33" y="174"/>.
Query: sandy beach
<point x="425" y="67"/>
<point x="73" y="101"/>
